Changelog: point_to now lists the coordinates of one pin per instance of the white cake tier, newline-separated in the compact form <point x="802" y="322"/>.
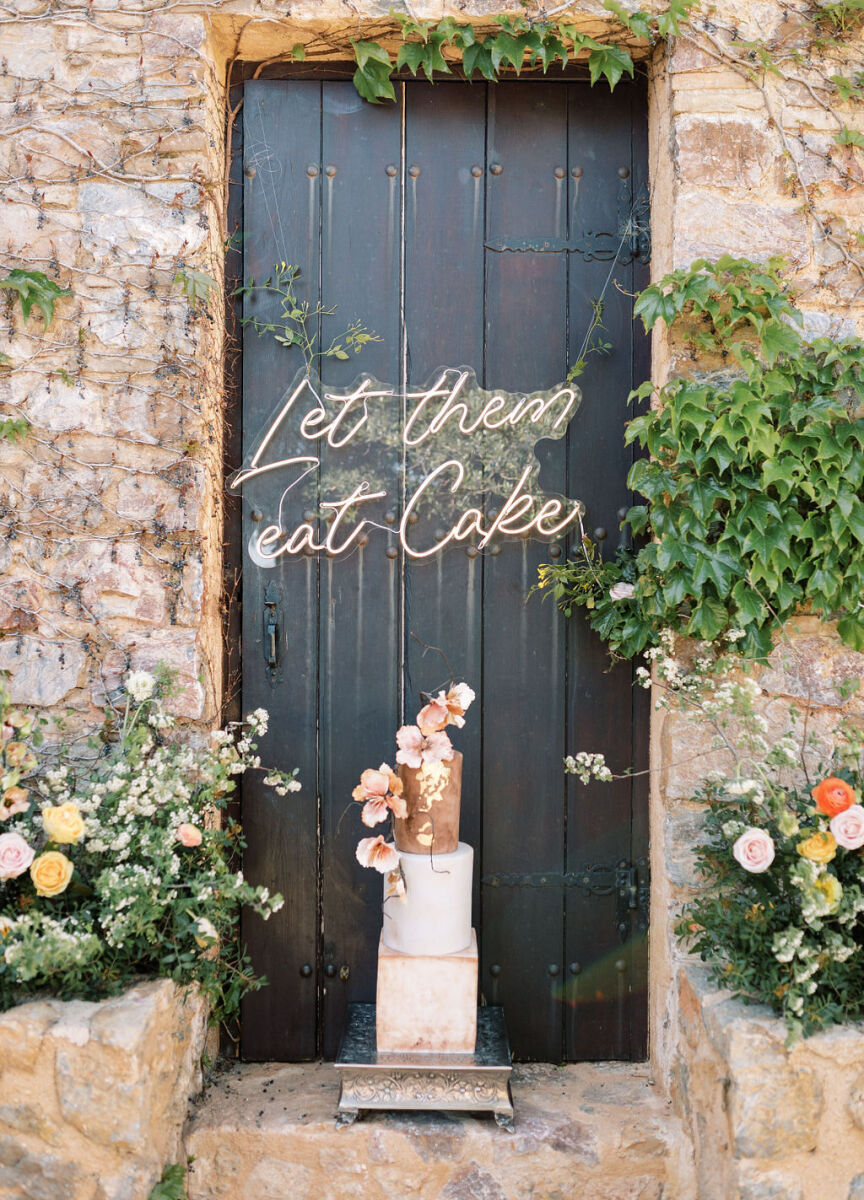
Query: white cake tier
<point x="434" y="917"/>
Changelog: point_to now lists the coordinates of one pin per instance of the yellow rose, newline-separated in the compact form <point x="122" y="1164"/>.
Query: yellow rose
<point x="63" y="823"/>
<point x="51" y="873"/>
<point x="820" y="848"/>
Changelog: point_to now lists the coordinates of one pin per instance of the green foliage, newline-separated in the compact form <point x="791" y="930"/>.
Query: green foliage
<point x="13" y="429"/>
<point x="34" y="288"/>
<point x="787" y="936"/>
<point x="195" y="285"/>
<point x="849" y="89"/>
<point x="172" y="1185"/>
<point x="751" y="496"/>
<point x="292" y="326"/>
<point x="518" y="41"/>
<point x="843" y="16"/>
<point x="120" y="869"/>
<point x="850" y="137"/>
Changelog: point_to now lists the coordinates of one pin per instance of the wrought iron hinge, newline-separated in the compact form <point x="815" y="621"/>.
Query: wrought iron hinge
<point x="594" y="247"/>
<point x="629" y="882"/>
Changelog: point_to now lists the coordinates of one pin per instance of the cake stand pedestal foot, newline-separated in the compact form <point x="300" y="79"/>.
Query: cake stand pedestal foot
<point x="431" y="1080"/>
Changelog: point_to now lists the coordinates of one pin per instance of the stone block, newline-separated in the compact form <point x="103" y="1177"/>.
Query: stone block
<point x="818" y="670"/>
<point x="42" y="672"/>
<point x="774" y="1107"/>
<point x="707" y="226"/>
<point x="755" y="1183"/>
<point x="427" y="1002"/>
<point x="723" y="152"/>
<point x="856" y="1188"/>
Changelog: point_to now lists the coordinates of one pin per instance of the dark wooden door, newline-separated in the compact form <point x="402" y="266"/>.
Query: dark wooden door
<point x="467" y="224"/>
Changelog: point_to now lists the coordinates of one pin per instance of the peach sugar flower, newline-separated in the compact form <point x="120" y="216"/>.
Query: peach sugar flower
<point x="416" y="748"/>
<point x="394" y="888"/>
<point x="14" y="800"/>
<point x="375" y="852"/>
<point x="446" y="710"/>
<point x="380" y="793"/>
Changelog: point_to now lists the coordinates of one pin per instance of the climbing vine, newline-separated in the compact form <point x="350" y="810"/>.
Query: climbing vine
<point x="751" y="496"/>
<point x="515" y="42"/>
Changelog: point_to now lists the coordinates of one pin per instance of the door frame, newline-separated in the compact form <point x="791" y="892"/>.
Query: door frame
<point x="340" y="70"/>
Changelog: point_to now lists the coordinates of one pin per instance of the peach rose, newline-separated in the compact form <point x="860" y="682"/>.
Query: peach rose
<point x="51" y="873"/>
<point x="63" y="823"/>
<point x="15" y="855"/>
<point x="820" y="848"/>
<point x="833" y="796"/>
<point x="375" y="852"/>
<point x="14" y="801"/>
<point x="848" y="827"/>
<point x="754" y="850"/>
<point x="189" y="835"/>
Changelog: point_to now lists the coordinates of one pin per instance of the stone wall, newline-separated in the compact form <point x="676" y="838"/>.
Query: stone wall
<point x="93" y="1097"/>
<point x="767" y="1123"/>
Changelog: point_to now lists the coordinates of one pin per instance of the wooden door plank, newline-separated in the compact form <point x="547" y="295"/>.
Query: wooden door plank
<point x="444" y="222"/>
<point x="523" y="678"/>
<point x="360" y="591"/>
<point x="600" y="701"/>
<point x="281" y="222"/>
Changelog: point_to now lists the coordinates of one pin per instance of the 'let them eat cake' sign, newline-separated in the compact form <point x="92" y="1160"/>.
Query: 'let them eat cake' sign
<point x="446" y="464"/>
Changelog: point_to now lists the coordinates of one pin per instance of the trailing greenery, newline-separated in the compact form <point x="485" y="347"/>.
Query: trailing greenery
<point x="33" y="288"/>
<point x="172" y="1185"/>
<point x="516" y="43"/>
<point x="292" y="325"/>
<point x="752" y="503"/>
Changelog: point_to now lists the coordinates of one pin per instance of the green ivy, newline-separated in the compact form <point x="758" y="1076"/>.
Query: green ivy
<point x="172" y="1185"/>
<point x="34" y="288"/>
<point x="517" y="43"/>
<point x="752" y="504"/>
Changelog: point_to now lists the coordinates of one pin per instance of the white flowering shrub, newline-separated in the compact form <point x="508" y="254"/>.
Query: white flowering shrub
<point x="116" y="866"/>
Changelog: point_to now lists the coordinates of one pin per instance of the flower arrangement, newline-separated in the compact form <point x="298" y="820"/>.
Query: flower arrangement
<point x="112" y="865"/>
<point x="380" y="791"/>
<point x="780" y="920"/>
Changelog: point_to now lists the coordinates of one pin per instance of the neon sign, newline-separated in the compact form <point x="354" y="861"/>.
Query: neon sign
<point x="458" y="461"/>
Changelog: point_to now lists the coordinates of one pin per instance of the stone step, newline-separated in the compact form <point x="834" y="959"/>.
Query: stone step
<point x="592" y="1131"/>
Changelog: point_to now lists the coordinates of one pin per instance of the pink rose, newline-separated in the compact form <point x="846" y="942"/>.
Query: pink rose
<point x="189" y="835"/>
<point x="848" y="827"/>
<point x="15" y="855"/>
<point x="754" y="850"/>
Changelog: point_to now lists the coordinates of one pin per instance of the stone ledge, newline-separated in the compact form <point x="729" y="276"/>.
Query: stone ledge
<point x="767" y="1123"/>
<point x="93" y="1095"/>
<point x="597" y="1132"/>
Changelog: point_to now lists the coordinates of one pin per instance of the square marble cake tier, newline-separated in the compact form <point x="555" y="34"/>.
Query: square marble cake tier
<point x="427" y="1002"/>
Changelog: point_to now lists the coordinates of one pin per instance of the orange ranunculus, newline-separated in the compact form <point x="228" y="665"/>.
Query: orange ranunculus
<point x="833" y="796"/>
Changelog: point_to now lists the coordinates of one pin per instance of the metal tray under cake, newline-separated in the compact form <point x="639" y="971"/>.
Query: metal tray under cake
<point x="478" y="1082"/>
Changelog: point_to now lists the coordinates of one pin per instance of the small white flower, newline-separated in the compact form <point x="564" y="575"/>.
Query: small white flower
<point x="140" y="685"/>
<point x="622" y="591"/>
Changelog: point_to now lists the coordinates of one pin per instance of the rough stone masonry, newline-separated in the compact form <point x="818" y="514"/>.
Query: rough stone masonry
<point x="113" y="178"/>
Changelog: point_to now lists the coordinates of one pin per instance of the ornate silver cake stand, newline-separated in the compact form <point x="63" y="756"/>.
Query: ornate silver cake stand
<point x="478" y="1082"/>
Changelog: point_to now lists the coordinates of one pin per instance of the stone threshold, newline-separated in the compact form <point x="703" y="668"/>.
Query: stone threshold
<point x="592" y="1131"/>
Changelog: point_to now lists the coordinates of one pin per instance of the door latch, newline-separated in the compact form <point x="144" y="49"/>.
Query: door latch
<point x="272" y="627"/>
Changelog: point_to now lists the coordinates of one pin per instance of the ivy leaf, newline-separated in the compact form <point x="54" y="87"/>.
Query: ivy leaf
<point x="34" y="287"/>
<point x="851" y="630"/>
<point x="778" y="338"/>
<point x="610" y="61"/>
<point x="372" y="77"/>
<point x="411" y="55"/>
<point x="508" y="49"/>
<point x="709" y="618"/>
<point x="478" y="57"/>
<point x="654" y="305"/>
<point x="850" y="137"/>
<point x="548" y="50"/>
<point x="195" y="285"/>
<point x="298" y="52"/>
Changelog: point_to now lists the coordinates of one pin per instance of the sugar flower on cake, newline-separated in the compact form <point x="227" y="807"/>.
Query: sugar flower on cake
<point x="446" y="709"/>
<point x="415" y="747"/>
<point x="375" y="852"/>
<point x="394" y="886"/>
<point x="380" y="793"/>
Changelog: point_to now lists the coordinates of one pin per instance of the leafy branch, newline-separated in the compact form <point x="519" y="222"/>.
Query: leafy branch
<point x="292" y="326"/>
<point x="34" y="288"/>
